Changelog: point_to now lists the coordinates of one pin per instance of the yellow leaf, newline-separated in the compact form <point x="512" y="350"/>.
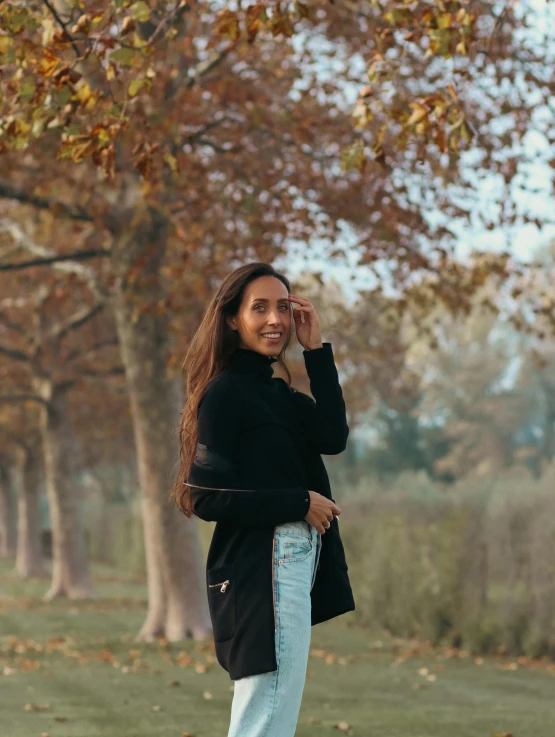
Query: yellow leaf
<point x="135" y="85"/>
<point x="171" y="161"/>
<point x="354" y="157"/>
<point x="419" y="112"/>
<point x="227" y="24"/>
<point x="140" y="11"/>
<point x="48" y="63"/>
<point x="6" y="42"/>
<point x="361" y="114"/>
<point x="444" y="20"/>
<point x="83" y="94"/>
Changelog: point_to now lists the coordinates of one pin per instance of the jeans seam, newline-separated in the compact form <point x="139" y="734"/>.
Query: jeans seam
<point x="316" y="561"/>
<point x="277" y="636"/>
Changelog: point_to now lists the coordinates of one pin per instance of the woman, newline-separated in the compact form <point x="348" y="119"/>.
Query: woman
<point x="250" y="460"/>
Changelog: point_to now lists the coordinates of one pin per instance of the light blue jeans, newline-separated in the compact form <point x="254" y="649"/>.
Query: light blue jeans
<point x="268" y="704"/>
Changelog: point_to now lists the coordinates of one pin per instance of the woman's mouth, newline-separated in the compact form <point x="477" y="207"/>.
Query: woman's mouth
<point x="272" y="337"/>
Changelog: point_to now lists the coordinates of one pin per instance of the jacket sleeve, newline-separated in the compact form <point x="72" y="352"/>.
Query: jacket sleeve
<point x="323" y="420"/>
<point x="217" y="492"/>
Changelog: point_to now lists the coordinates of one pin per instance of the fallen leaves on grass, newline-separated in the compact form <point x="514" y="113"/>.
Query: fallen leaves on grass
<point x="12" y="644"/>
<point x="426" y="673"/>
<point x="10" y="604"/>
<point x="36" y="707"/>
<point x="183" y="658"/>
<point x="105" y="656"/>
<point x="344" y="727"/>
<point x="331" y="658"/>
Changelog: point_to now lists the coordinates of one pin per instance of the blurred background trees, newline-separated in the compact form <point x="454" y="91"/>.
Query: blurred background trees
<point x="148" y="148"/>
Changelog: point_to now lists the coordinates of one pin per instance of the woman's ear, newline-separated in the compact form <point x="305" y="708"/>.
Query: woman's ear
<point x="231" y="322"/>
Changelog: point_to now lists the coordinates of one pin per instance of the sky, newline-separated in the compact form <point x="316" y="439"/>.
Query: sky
<point x="531" y="190"/>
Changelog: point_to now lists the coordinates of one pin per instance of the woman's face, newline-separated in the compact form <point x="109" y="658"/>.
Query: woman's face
<point x="265" y="311"/>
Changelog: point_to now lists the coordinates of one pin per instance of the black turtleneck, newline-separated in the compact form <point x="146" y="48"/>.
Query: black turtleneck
<point x="255" y="434"/>
<point x="247" y="361"/>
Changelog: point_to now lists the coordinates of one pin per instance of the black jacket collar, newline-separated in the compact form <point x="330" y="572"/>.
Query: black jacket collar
<point x="251" y="362"/>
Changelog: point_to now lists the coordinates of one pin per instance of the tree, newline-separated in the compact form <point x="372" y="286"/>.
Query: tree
<point x="535" y="375"/>
<point x="47" y="334"/>
<point x="20" y="471"/>
<point x="195" y="151"/>
<point x="7" y="516"/>
<point x="465" y="392"/>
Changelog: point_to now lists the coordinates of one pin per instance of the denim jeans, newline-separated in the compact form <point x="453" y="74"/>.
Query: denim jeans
<point x="268" y="704"/>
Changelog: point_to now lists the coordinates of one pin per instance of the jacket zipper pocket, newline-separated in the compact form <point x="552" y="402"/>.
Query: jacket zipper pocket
<point x="223" y="584"/>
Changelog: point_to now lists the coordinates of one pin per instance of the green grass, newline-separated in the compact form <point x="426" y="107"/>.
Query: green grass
<point x="98" y="682"/>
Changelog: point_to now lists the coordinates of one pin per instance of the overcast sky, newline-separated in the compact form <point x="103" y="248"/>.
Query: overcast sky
<point x="531" y="190"/>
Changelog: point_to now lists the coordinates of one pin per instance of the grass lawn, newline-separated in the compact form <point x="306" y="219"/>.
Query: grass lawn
<point x="72" y="669"/>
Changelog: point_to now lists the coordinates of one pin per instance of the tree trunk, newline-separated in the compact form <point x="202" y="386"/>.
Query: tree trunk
<point x="70" y="570"/>
<point x="29" y="560"/>
<point x="177" y="604"/>
<point x="7" y="516"/>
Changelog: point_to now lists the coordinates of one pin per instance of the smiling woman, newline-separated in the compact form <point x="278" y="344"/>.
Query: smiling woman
<point x="263" y="320"/>
<point x="250" y="461"/>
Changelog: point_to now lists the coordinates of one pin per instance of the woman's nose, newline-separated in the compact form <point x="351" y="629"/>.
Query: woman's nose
<point x="274" y="318"/>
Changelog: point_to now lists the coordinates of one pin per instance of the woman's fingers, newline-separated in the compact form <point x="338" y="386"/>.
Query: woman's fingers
<point x="296" y="297"/>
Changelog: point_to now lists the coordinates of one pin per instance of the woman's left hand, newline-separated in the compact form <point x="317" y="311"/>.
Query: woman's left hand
<point x="308" y="332"/>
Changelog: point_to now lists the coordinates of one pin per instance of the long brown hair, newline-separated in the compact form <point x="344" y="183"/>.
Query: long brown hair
<point x="208" y="355"/>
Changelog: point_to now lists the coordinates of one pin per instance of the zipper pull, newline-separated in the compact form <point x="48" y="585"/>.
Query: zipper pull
<point x="224" y="587"/>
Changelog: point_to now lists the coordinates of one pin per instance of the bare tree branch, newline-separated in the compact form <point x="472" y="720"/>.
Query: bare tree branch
<point x="78" y="319"/>
<point x="13" y="326"/>
<point x="174" y="16"/>
<point x="86" y="351"/>
<point x="117" y="371"/>
<point x="73" y="212"/>
<point x="74" y="256"/>
<point x="14" y="354"/>
<point x="10" y="399"/>
<point x="25" y="242"/>
<point x="206" y="66"/>
<point x="189" y="77"/>
<point x="63" y="25"/>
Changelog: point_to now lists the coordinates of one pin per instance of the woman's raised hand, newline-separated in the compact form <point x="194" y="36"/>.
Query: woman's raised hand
<point x="307" y="328"/>
<point x="321" y="512"/>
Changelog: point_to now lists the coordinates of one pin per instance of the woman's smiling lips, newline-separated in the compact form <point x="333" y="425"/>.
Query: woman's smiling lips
<point x="272" y="337"/>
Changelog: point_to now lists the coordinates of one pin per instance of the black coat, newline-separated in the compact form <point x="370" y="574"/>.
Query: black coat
<point x="258" y="453"/>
